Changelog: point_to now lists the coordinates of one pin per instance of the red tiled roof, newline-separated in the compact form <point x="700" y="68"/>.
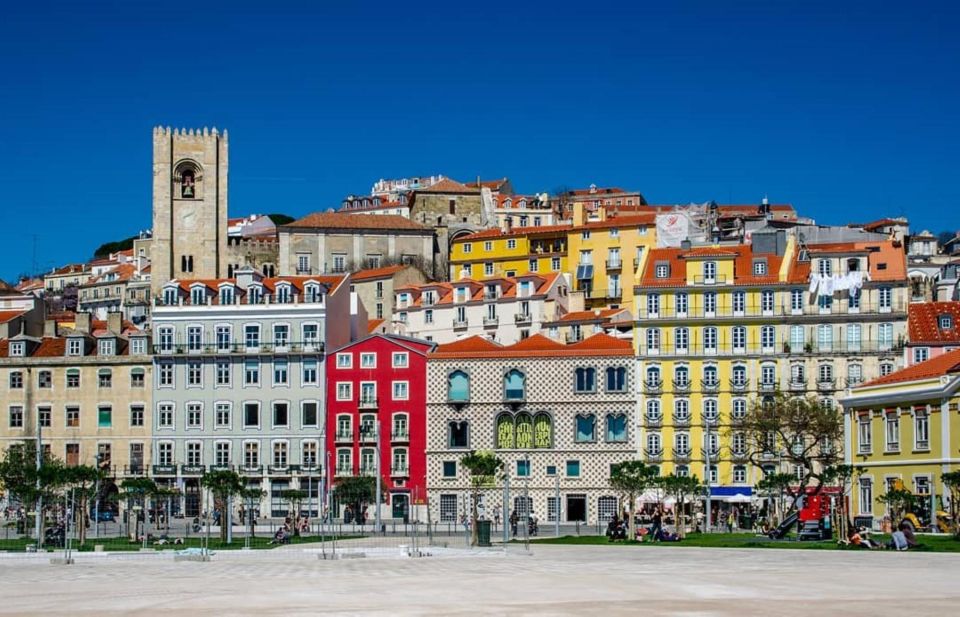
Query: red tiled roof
<point x="373" y="325"/>
<point x="376" y="273"/>
<point x="69" y="269"/>
<point x="742" y="255"/>
<point x="6" y="316"/>
<point x="924" y="323"/>
<point x="49" y="348"/>
<point x="124" y="273"/>
<point x="508" y="289"/>
<point x="885" y="253"/>
<point x="269" y="284"/>
<point x="534" y="346"/>
<point x="339" y="220"/>
<point x="935" y="367"/>
<point x="490" y="184"/>
<point x="874" y="225"/>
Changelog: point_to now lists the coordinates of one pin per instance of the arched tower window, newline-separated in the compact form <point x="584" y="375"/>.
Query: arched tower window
<point x="188" y="184"/>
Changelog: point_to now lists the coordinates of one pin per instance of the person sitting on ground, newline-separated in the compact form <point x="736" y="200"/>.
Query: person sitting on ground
<point x="909" y="535"/>
<point x="898" y="541"/>
<point x="615" y="530"/>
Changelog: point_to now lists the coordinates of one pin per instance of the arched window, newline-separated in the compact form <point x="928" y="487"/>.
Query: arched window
<point x="586" y="428"/>
<point x="513" y="385"/>
<point x="524" y="431"/>
<point x="505" y="432"/>
<point x="457" y="434"/>
<point x="653" y="409"/>
<point x="542" y="431"/>
<point x="188" y="182"/>
<point x="653" y="376"/>
<point x="710" y="376"/>
<point x="681" y="376"/>
<point x="458" y="387"/>
<point x="681" y="409"/>
<point x="616" y="379"/>
<point x="283" y="294"/>
<point x="616" y="427"/>
<point x="586" y="379"/>
<point x="710" y="410"/>
<point x="739" y="375"/>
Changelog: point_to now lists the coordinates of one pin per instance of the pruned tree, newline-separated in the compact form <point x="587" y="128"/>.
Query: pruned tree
<point x="82" y="479"/>
<point x="136" y="491"/>
<point x="483" y="468"/>
<point x="295" y="497"/>
<point x="681" y="488"/>
<point x="631" y="479"/>
<point x="843" y="477"/>
<point x="250" y="496"/>
<point x="223" y="484"/>
<point x="803" y="433"/>
<point x="951" y="480"/>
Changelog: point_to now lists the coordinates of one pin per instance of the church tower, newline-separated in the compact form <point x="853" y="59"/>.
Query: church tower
<point x="189" y="205"/>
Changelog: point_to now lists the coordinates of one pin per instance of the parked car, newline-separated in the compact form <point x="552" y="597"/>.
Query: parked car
<point x="105" y="516"/>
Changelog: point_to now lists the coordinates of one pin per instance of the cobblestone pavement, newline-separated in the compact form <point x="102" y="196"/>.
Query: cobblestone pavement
<point x="554" y="580"/>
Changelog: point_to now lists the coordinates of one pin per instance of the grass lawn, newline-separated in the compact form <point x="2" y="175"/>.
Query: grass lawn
<point x="123" y="544"/>
<point x="929" y="543"/>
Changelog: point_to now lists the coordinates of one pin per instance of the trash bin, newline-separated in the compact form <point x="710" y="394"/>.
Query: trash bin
<point x="483" y="533"/>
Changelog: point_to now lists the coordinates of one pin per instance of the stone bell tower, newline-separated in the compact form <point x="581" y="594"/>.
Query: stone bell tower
<point x="189" y="205"/>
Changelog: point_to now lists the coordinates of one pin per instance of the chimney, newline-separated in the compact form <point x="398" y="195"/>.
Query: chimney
<point x="115" y="322"/>
<point x="50" y="328"/>
<point x="82" y="322"/>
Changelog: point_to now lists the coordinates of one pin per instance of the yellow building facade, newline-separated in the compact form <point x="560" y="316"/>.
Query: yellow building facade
<point x="719" y="327"/>
<point x="499" y="253"/>
<point x="904" y="428"/>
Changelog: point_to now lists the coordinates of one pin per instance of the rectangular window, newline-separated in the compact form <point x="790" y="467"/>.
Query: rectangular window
<point x="921" y="354"/>
<point x="251" y="334"/>
<point x="892" y="433"/>
<point x="221" y="456"/>
<point x="401" y="359"/>
<point x="164" y="415"/>
<point x="16" y="416"/>
<point x="136" y="415"/>
<point x="921" y="431"/>
<point x="344" y="360"/>
<point x="866" y="496"/>
<point x="251" y="454"/>
<point x="251" y="415"/>
<point x="223" y="372"/>
<point x="344" y="391"/>
<point x="886" y="299"/>
<point x="223" y="338"/>
<point x="164" y="453"/>
<point x="105" y="378"/>
<point x="309" y="417"/>
<point x="573" y="469"/>
<point x="75" y="346"/>
<point x="368" y="360"/>
<point x="796" y="300"/>
<point x="194" y="453"/>
<point x="310" y="374"/>
<point x="194" y="374"/>
<point x="281" y="414"/>
<point x="280" y="372"/>
<point x="194" y="338"/>
<point x="401" y="390"/>
<point x="164" y="374"/>
<point x="449" y="469"/>
<point x="311" y="336"/>
<point x="251" y="372"/>
<point x="222" y="419"/>
<point x="194" y="415"/>
<point x="523" y="469"/>
<point x="448" y="508"/>
<point x="44" y="379"/>
<point x="45" y="416"/>
<point x="72" y="417"/>
<point x="16" y="380"/>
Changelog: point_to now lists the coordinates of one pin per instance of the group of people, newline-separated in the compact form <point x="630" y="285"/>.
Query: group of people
<point x="900" y="540"/>
<point x="533" y="527"/>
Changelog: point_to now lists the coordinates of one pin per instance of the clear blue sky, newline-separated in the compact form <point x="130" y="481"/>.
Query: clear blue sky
<point x="847" y="110"/>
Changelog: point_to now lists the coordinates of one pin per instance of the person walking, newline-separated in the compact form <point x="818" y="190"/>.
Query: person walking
<point x="514" y="519"/>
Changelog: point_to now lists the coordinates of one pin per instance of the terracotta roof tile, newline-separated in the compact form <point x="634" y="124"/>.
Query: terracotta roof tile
<point x="339" y="220"/>
<point x="473" y="344"/>
<point x="6" y="316"/>
<point x="516" y="231"/>
<point x="924" y="322"/>
<point x="935" y="367"/>
<point x="376" y="273"/>
<point x="373" y="325"/>
<point x="448" y="186"/>
<point x="591" y="316"/>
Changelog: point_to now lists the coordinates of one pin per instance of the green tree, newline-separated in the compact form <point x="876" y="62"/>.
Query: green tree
<point x="681" y="488"/>
<point x="356" y="492"/>
<point x="20" y="476"/>
<point x="483" y="468"/>
<point x="802" y="433"/>
<point x="951" y="480"/>
<point x="82" y="479"/>
<point x="136" y="491"/>
<point x="280" y="219"/>
<point x="295" y="497"/>
<point x="631" y="479"/>
<point x="900" y="502"/>
<point x="250" y="496"/>
<point x="106" y="248"/>
<point x="223" y="485"/>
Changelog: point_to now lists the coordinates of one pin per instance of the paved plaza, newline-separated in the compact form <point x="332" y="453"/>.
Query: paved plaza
<point x="554" y="580"/>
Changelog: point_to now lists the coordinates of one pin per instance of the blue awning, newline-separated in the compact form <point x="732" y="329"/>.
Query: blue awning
<point x="730" y="491"/>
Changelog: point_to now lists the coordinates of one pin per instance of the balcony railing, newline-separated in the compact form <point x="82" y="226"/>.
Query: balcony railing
<point x="399" y="471"/>
<point x="460" y="324"/>
<point x="401" y="435"/>
<point x="344" y="436"/>
<point x="710" y="385"/>
<point x="768" y="386"/>
<point x="728" y="311"/>
<point x="192" y="470"/>
<point x="164" y="470"/>
<point x="809" y="349"/>
<point x="344" y="470"/>
<point x="614" y="264"/>
<point x="367" y="402"/>
<point x="653" y="456"/>
<point x="523" y="318"/>
<point x="681" y="420"/>
<point x="681" y="386"/>
<point x="825" y="385"/>
<point x="738" y="385"/>
<point x="490" y="321"/>
<point x="709" y="280"/>
<point x="653" y="387"/>
<point x="220" y="349"/>
<point x="251" y="470"/>
<point x="278" y="470"/>
<point x="653" y="421"/>
<point x="681" y="454"/>
<point x="367" y="436"/>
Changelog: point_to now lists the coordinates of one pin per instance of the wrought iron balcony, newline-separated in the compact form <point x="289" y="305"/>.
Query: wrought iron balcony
<point x="653" y="456"/>
<point x="367" y="402"/>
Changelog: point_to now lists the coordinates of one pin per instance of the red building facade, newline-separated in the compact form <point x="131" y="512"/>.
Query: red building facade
<point x="379" y="383"/>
